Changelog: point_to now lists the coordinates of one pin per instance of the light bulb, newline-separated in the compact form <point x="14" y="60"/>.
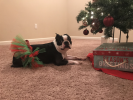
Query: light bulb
<point x="93" y="23"/>
<point x="83" y="18"/>
<point x="98" y="8"/>
<point x="102" y="13"/>
<point x="92" y="12"/>
<point x="91" y="17"/>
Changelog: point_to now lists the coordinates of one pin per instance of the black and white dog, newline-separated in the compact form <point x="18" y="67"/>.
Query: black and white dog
<point x="56" y="52"/>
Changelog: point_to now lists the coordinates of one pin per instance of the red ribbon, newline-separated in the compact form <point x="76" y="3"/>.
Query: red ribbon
<point x="34" y="54"/>
<point x="34" y="64"/>
<point x="30" y="47"/>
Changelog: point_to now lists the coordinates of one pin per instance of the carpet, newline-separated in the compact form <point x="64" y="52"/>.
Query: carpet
<point x="68" y="82"/>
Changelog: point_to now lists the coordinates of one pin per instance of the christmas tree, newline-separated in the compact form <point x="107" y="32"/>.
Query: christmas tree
<point x="107" y="14"/>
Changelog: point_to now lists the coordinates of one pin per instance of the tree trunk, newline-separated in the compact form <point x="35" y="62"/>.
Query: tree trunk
<point x="113" y="34"/>
<point x="127" y="38"/>
<point x="120" y="37"/>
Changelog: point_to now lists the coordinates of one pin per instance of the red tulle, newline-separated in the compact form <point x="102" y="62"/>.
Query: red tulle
<point x="15" y="50"/>
<point x="14" y="40"/>
<point x="34" y="54"/>
<point x="23" y="58"/>
<point x="16" y="46"/>
<point x="31" y="48"/>
<point x="30" y="55"/>
<point x="29" y="45"/>
<point x="20" y="49"/>
<point x="35" y="64"/>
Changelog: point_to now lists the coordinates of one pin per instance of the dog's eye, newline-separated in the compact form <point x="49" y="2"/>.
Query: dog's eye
<point x="59" y="42"/>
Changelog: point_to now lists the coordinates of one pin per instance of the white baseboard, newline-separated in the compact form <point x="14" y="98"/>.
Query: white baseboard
<point x="82" y="37"/>
<point x="52" y="38"/>
<point x="92" y="38"/>
<point x="30" y="40"/>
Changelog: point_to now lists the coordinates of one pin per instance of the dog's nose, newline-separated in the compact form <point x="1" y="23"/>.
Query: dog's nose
<point x="66" y="43"/>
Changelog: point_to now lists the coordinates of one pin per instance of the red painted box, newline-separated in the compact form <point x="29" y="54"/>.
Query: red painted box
<point x="118" y="56"/>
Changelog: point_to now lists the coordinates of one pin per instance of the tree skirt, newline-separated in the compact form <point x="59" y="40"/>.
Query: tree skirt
<point x="117" y="73"/>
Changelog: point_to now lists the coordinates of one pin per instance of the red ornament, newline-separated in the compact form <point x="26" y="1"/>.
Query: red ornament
<point x="101" y="31"/>
<point x="92" y="30"/>
<point x="108" y="21"/>
<point x="85" y="32"/>
<point x="95" y="24"/>
<point x="85" y="23"/>
<point x="94" y="1"/>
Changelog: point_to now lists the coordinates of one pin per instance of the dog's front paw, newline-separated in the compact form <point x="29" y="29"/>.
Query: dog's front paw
<point x="71" y="62"/>
<point x="78" y="63"/>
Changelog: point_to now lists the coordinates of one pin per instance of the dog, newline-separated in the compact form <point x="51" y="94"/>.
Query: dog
<point x="56" y="52"/>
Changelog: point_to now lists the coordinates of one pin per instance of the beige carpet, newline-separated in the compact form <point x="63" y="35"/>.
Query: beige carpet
<point x="69" y="82"/>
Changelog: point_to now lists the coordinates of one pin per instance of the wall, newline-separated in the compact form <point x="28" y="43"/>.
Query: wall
<point x="51" y="16"/>
<point x="74" y="7"/>
<point x="19" y="17"/>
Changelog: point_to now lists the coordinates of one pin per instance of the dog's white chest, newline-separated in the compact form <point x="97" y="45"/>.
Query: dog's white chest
<point x="64" y="55"/>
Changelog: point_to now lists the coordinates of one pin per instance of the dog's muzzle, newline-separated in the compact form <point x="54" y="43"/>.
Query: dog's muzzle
<point x="66" y="43"/>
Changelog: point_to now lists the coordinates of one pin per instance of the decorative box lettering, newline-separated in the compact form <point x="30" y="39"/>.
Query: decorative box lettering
<point x="118" y="56"/>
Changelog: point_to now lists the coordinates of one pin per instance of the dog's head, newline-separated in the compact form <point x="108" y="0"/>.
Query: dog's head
<point x="63" y="42"/>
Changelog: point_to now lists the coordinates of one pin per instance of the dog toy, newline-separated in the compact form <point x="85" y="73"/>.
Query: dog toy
<point x="22" y="49"/>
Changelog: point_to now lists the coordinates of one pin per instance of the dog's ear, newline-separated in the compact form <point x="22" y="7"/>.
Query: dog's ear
<point x="57" y="35"/>
<point x="69" y="38"/>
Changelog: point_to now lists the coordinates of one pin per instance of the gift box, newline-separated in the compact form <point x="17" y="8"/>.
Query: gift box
<point x="117" y="56"/>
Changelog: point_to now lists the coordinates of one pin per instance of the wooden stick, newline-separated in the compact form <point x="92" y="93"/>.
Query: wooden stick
<point x="120" y="37"/>
<point x="127" y="37"/>
<point x="113" y="34"/>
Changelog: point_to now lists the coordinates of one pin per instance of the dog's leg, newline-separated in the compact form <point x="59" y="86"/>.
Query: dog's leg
<point x="74" y="58"/>
<point x="59" y="61"/>
<point x="72" y="62"/>
<point x="16" y="62"/>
